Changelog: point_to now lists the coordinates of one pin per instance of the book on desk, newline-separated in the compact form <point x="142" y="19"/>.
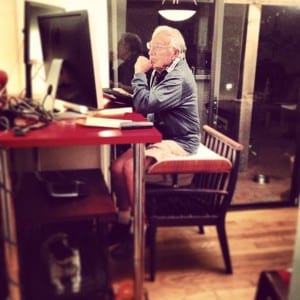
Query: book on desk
<point x="114" y="123"/>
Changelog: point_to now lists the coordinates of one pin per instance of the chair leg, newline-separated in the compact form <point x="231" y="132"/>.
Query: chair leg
<point x="201" y="229"/>
<point x="224" y="246"/>
<point x="152" y="251"/>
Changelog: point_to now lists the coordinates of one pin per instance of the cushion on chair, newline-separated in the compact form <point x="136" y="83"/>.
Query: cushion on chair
<point x="204" y="160"/>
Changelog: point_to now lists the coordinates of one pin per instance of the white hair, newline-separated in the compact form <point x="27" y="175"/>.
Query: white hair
<point x="177" y="40"/>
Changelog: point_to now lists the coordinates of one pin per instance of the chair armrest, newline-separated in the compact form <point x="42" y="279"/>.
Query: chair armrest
<point x="222" y="137"/>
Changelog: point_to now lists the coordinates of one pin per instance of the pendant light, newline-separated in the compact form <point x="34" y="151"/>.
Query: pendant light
<point x="176" y="14"/>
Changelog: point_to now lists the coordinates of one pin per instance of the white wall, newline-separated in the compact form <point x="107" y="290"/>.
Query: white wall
<point x="11" y="44"/>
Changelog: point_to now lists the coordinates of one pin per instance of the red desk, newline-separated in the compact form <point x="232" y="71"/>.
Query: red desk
<point x="67" y="133"/>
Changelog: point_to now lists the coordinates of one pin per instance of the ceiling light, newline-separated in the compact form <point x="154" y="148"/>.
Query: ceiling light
<point x="175" y="13"/>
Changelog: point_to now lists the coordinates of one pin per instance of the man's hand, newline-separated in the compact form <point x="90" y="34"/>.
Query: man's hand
<point x="142" y="65"/>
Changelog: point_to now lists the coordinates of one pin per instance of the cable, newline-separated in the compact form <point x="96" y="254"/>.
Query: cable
<point x="48" y="93"/>
<point x="32" y="111"/>
<point x="4" y="123"/>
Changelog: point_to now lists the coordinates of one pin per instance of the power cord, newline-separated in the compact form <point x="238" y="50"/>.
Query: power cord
<point x="4" y="123"/>
<point x="49" y="91"/>
<point x="32" y="111"/>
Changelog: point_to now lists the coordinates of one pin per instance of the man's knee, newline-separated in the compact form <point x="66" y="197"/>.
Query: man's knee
<point x="128" y="167"/>
<point x="118" y="165"/>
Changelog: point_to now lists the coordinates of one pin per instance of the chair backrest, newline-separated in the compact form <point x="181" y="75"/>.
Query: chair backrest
<point x="220" y="185"/>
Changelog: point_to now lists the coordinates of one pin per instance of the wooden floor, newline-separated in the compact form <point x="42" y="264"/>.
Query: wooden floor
<point x="190" y="266"/>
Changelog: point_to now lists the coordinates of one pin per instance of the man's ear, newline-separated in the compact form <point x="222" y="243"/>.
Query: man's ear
<point x="176" y="53"/>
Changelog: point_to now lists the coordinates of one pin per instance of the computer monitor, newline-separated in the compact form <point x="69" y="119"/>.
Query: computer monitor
<point x="67" y="36"/>
<point x="32" y="48"/>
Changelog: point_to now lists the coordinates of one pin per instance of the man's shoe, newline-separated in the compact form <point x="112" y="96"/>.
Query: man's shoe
<point x="124" y="250"/>
<point x="118" y="233"/>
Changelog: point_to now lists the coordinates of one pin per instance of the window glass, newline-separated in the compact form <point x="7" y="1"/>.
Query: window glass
<point x="234" y="31"/>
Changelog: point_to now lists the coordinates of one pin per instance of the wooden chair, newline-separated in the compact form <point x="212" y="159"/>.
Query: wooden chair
<point x="204" y="200"/>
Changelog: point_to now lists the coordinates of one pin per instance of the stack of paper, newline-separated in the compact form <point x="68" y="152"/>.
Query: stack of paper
<point x="105" y="122"/>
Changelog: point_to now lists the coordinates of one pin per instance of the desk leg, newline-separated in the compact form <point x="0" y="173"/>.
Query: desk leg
<point x="139" y="239"/>
<point x="9" y="229"/>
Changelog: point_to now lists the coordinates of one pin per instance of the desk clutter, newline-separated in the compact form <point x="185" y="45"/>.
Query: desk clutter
<point x="22" y="115"/>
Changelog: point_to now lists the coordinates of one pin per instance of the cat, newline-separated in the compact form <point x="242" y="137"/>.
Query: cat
<point x="62" y="262"/>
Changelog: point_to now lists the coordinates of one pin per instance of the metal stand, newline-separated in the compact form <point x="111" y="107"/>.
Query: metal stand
<point x="9" y="229"/>
<point x="139" y="221"/>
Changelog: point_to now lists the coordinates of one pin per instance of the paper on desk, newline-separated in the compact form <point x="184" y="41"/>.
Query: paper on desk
<point x="104" y="122"/>
<point x="110" y="112"/>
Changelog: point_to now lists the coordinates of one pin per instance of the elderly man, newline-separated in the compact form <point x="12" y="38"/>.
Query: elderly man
<point x="170" y="101"/>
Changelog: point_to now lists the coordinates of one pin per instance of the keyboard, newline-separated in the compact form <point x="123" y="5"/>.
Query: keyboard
<point x="117" y="96"/>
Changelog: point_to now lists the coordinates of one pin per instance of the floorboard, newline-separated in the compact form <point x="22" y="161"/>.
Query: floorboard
<point x="190" y="266"/>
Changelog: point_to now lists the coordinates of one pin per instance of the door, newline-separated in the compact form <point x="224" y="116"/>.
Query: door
<point x="276" y="95"/>
<point x="257" y="97"/>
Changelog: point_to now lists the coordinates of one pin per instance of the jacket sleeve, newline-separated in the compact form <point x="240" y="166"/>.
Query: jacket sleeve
<point x="165" y="95"/>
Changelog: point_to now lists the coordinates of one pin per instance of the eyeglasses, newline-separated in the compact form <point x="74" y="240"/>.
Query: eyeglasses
<point x="156" y="47"/>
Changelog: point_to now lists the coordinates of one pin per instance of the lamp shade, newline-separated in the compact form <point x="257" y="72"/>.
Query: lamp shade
<point x="176" y="14"/>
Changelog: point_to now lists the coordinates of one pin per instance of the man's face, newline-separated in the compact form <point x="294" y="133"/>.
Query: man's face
<point x="123" y="50"/>
<point x="161" y="52"/>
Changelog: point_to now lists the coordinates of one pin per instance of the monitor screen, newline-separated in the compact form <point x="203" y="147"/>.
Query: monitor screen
<point x="32" y="48"/>
<point x="67" y="36"/>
